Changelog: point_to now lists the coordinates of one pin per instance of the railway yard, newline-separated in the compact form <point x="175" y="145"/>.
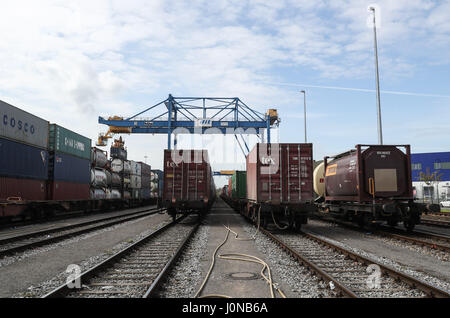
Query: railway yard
<point x="142" y="253"/>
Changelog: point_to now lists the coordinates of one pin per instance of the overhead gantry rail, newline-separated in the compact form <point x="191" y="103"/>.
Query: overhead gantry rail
<point x="193" y="115"/>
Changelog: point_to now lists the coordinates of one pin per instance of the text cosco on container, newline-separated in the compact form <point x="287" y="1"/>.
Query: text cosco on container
<point x="20" y="125"/>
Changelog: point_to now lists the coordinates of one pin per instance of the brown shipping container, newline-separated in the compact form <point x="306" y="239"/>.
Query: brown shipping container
<point x="351" y="175"/>
<point x="280" y="173"/>
<point x="25" y="189"/>
<point x="187" y="175"/>
<point x="65" y="191"/>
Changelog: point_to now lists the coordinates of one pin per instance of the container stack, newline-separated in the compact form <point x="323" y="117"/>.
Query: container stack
<point x="121" y="170"/>
<point x="156" y="184"/>
<point x="101" y="178"/>
<point x="24" y="155"/>
<point x="145" y="181"/>
<point x="69" y="164"/>
<point x="136" y="181"/>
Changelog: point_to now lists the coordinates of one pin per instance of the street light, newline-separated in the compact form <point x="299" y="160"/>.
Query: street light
<point x="380" y="131"/>
<point x="304" y="108"/>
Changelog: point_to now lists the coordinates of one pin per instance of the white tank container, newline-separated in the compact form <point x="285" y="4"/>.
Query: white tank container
<point x="97" y="194"/>
<point x="117" y="165"/>
<point x="116" y="181"/>
<point x="98" y="158"/>
<point x="98" y="178"/>
<point x="115" y="194"/>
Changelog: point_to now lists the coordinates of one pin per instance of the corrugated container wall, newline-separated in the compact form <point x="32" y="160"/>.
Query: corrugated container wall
<point x="64" y="167"/>
<point x="18" y="160"/>
<point x="26" y="189"/>
<point x="280" y="173"/>
<point x="60" y="190"/>
<point x="18" y="125"/>
<point x="68" y="142"/>
<point x="186" y="177"/>
<point x="239" y="185"/>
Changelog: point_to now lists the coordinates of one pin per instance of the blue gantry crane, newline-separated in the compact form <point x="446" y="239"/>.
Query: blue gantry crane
<point x="190" y="115"/>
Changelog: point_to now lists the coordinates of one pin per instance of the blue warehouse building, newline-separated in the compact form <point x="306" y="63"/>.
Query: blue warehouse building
<point x="429" y="163"/>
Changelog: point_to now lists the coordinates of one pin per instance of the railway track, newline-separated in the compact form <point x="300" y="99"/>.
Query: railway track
<point x="347" y="272"/>
<point x="431" y="220"/>
<point x="22" y="242"/>
<point x="138" y="270"/>
<point x="429" y="240"/>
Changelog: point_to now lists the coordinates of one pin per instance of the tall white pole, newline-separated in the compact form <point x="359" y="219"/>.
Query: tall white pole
<point x="304" y="112"/>
<point x="380" y="130"/>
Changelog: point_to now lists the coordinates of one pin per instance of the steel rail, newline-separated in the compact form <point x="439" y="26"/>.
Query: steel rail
<point x="430" y="290"/>
<point x="64" y="290"/>
<point x="50" y="240"/>
<point x="345" y="291"/>
<point x="440" y="223"/>
<point x="431" y="245"/>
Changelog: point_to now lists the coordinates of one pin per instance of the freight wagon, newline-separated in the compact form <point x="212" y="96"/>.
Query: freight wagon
<point x="188" y="185"/>
<point x="369" y="184"/>
<point x="279" y="182"/>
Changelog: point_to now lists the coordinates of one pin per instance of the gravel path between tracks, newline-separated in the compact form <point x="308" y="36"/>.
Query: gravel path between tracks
<point x="185" y="275"/>
<point x="86" y="252"/>
<point x="284" y="268"/>
<point x="400" y="267"/>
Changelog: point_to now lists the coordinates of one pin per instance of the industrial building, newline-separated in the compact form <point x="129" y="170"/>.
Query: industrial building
<point x="435" y="168"/>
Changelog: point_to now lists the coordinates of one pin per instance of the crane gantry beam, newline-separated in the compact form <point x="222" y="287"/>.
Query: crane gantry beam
<point x="190" y="115"/>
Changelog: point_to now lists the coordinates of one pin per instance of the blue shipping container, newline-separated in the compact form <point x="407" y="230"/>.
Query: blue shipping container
<point x="18" y="160"/>
<point x="69" y="168"/>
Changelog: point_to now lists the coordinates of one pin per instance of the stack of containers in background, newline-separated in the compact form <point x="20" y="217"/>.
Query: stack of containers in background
<point x="101" y="178"/>
<point x="136" y="180"/>
<point x="146" y="171"/>
<point x="24" y="155"/>
<point x="121" y="168"/>
<point x="69" y="164"/>
<point x="156" y="184"/>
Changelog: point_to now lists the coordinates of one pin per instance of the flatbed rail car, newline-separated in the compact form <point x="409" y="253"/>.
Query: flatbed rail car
<point x="370" y="184"/>
<point x="15" y="208"/>
<point x="280" y="184"/>
<point x="188" y="182"/>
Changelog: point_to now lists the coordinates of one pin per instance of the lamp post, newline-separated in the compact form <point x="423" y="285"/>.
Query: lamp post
<point x="304" y="109"/>
<point x="380" y="131"/>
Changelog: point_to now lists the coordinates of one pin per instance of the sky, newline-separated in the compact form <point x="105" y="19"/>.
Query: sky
<point x="72" y="61"/>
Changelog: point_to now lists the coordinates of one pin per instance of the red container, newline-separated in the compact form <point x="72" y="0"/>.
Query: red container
<point x="280" y="173"/>
<point x="68" y="191"/>
<point x="229" y="187"/>
<point x="187" y="176"/>
<point x="23" y="189"/>
<point x="369" y="172"/>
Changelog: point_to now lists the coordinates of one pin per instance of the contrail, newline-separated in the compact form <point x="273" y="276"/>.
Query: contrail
<point x="360" y="90"/>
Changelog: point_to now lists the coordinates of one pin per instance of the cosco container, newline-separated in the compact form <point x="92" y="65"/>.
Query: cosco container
<point x="64" y="167"/>
<point x="66" y="141"/>
<point x="63" y="191"/>
<point x="19" y="160"/>
<point x="369" y="172"/>
<point x="23" y="127"/>
<point x="23" y="189"/>
<point x="239" y="185"/>
<point x="99" y="158"/>
<point x="280" y="173"/>
<point x="98" y="178"/>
